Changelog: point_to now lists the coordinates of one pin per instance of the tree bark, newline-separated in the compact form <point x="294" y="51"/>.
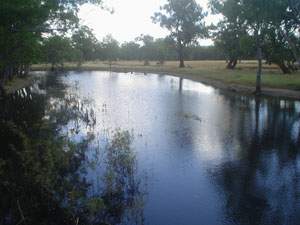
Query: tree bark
<point x="284" y="68"/>
<point x="181" y="65"/>
<point x="231" y="64"/>
<point x="181" y="57"/>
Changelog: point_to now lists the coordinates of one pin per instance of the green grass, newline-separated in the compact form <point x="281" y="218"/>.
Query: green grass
<point x="244" y="74"/>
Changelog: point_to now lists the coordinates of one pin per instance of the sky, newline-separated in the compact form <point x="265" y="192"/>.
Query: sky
<point x="130" y="19"/>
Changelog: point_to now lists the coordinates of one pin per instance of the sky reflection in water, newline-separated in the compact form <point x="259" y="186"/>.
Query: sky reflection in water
<point x="196" y="155"/>
<point x="209" y="156"/>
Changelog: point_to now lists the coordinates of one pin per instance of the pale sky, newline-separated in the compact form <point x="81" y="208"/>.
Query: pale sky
<point x="130" y="19"/>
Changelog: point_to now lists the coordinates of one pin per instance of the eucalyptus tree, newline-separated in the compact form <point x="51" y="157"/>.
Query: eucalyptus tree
<point x="294" y="11"/>
<point x="234" y="42"/>
<point x="130" y="51"/>
<point x="184" y="20"/>
<point x="276" y="50"/>
<point x="256" y="15"/>
<point x="288" y="23"/>
<point x="257" y="20"/>
<point x="110" y="48"/>
<point x="161" y="47"/>
<point x="22" y="25"/>
<point x="276" y="31"/>
<point x="230" y="35"/>
<point x="147" y="48"/>
<point x="85" y="44"/>
<point x="57" y="50"/>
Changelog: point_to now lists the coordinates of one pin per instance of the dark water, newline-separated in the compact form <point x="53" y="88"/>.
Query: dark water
<point x="108" y="148"/>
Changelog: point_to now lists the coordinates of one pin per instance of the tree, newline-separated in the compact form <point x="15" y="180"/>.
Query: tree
<point x="230" y="35"/>
<point x="22" y="26"/>
<point x="294" y="12"/>
<point x="57" y="50"/>
<point x="161" y="50"/>
<point x="276" y="50"/>
<point x="110" y="48"/>
<point x="85" y="43"/>
<point x="288" y="24"/>
<point x="130" y="51"/>
<point x="204" y="53"/>
<point x="256" y="19"/>
<point x="184" y="20"/>
<point x="147" y="49"/>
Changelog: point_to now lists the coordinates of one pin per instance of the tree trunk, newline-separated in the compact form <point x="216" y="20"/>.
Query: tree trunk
<point x="181" y="57"/>
<point x="284" y="68"/>
<point x="181" y="65"/>
<point x="259" y="69"/>
<point x="231" y="64"/>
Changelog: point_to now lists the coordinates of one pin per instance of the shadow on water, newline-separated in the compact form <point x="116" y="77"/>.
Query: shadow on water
<point x="43" y="168"/>
<point x="262" y="187"/>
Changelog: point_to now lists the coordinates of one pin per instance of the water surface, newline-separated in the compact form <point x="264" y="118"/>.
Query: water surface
<point x="191" y="154"/>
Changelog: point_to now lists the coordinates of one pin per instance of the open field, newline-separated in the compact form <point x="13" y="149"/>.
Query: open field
<point x="210" y="72"/>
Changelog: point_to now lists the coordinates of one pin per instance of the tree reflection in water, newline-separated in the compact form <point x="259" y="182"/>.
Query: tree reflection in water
<point x="262" y="186"/>
<point x="42" y="166"/>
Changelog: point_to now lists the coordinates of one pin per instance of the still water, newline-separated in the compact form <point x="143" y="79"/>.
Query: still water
<point x="153" y="149"/>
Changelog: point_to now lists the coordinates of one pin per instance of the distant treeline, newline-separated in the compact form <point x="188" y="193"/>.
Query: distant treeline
<point x="83" y="46"/>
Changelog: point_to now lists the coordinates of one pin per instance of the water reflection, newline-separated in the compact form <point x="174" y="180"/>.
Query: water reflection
<point x="188" y="135"/>
<point x="45" y="134"/>
<point x="109" y="148"/>
<point x="262" y="186"/>
<point x="121" y="187"/>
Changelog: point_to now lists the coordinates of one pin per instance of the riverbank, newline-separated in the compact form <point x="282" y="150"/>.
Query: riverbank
<point x="17" y="84"/>
<point x="214" y="73"/>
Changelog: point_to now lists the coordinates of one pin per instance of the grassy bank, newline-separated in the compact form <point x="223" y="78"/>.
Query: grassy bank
<point x="210" y="72"/>
<point x="17" y="84"/>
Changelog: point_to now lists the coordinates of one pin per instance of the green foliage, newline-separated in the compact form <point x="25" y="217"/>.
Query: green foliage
<point x="57" y="50"/>
<point x="251" y="25"/>
<point x="204" y="53"/>
<point x="85" y="42"/>
<point x="42" y="168"/>
<point x="276" y="50"/>
<point x="184" y="20"/>
<point x="130" y="51"/>
<point x="22" y="25"/>
<point x="148" y="50"/>
<point x="110" y="48"/>
<point x="230" y="35"/>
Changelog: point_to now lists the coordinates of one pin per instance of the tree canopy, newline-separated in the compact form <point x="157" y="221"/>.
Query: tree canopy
<point x="184" y="20"/>
<point x="24" y="23"/>
<point x="273" y="33"/>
